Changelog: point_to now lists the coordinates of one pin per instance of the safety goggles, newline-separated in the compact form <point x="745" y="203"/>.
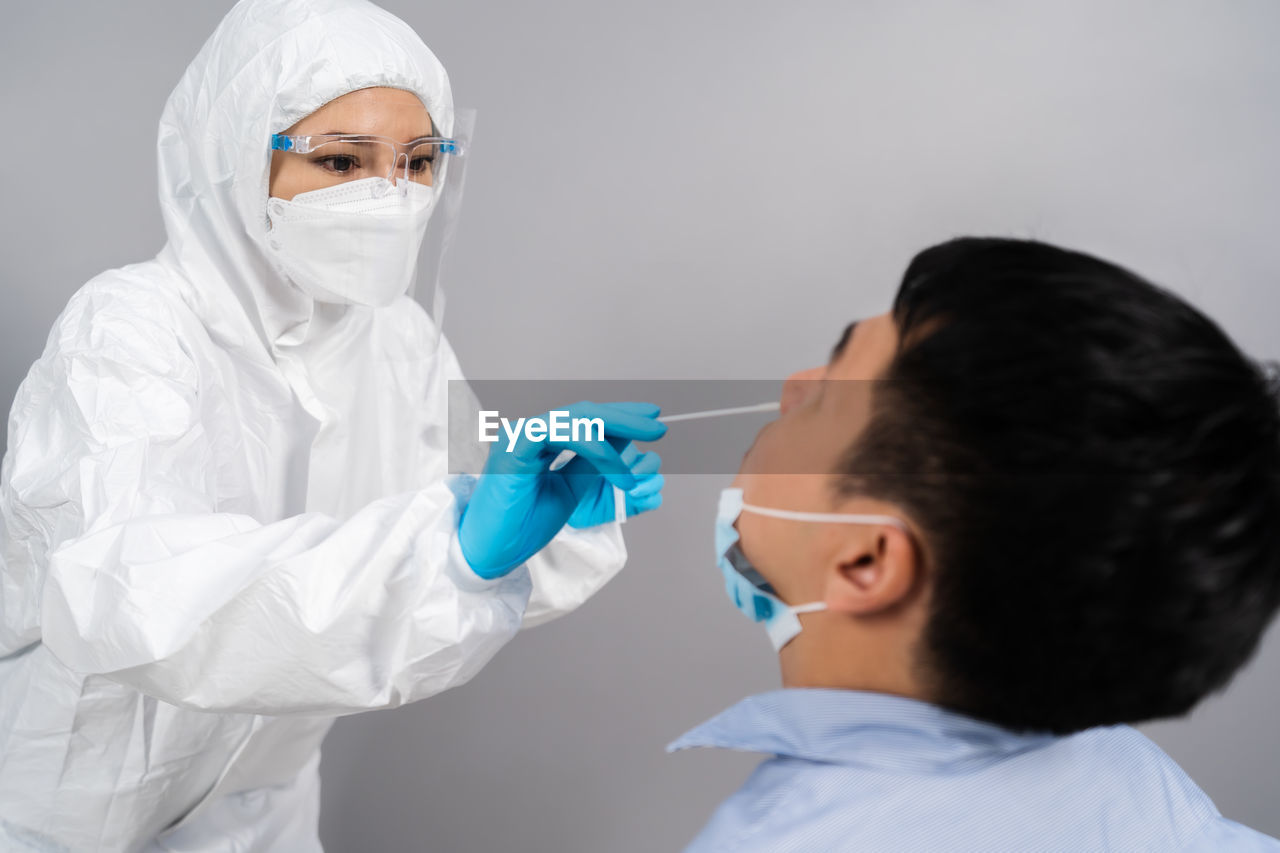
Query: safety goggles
<point x="353" y="157"/>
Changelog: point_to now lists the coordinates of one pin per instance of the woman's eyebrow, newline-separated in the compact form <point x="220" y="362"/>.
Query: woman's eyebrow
<point x="838" y="349"/>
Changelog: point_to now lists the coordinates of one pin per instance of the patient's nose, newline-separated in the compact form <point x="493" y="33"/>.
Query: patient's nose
<point x="799" y="386"/>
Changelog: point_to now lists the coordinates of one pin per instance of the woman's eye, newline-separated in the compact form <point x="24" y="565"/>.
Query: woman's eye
<point x="420" y="164"/>
<point x="339" y="163"/>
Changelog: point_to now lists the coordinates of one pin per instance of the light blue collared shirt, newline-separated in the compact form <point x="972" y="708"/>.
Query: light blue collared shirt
<point x="854" y="770"/>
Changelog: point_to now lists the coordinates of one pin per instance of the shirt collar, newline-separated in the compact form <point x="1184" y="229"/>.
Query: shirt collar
<point x="858" y="727"/>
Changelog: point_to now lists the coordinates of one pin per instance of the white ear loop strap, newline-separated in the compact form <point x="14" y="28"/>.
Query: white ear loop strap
<point x="847" y="518"/>
<point x="809" y="608"/>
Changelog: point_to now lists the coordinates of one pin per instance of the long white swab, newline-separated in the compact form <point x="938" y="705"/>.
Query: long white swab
<point x="718" y="413"/>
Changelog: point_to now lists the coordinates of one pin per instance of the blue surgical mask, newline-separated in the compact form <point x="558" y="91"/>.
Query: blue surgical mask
<point x="747" y="588"/>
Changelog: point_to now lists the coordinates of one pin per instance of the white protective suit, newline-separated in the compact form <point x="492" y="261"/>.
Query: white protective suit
<point x="225" y="516"/>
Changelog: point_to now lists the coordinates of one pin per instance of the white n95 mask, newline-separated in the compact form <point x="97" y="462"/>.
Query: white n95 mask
<point x="353" y="244"/>
<point x="747" y="588"/>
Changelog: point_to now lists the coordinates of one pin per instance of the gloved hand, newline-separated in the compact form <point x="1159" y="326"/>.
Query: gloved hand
<point x="519" y="504"/>
<point x="598" y="503"/>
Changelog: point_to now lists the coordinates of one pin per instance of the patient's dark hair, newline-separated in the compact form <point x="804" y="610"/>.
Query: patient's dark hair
<point x="1095" y="469"/>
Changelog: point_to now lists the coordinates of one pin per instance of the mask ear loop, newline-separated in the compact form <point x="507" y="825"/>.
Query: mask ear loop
<point x="813" y="607"/>
<point x="837" y="517"/>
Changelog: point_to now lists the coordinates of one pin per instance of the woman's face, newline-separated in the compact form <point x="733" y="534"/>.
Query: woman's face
<point x="376" y="111"/>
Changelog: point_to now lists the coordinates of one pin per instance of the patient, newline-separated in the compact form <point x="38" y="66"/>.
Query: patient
<point x="1054" y="512"/>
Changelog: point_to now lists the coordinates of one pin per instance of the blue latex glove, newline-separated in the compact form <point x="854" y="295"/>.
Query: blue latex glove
<point x="597" y="504"/>
<point x="519" y="504"/>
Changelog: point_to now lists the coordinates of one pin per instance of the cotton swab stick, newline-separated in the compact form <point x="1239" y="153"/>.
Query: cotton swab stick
<point x="718" y="413"/>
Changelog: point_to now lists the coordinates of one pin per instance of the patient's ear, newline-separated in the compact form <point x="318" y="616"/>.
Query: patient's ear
<point x="873" y="569"/>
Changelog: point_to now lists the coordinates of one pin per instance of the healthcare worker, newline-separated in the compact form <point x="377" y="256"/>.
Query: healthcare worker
<point x="225" y="515"/>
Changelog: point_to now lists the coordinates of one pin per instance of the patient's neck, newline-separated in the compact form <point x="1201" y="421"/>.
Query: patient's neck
<point x="830" y="653"/>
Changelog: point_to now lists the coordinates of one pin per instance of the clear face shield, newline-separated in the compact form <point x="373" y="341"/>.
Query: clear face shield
<point x="370" y="217"/>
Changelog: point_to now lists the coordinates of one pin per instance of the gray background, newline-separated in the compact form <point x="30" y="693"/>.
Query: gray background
<point x="699" y="190"/>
